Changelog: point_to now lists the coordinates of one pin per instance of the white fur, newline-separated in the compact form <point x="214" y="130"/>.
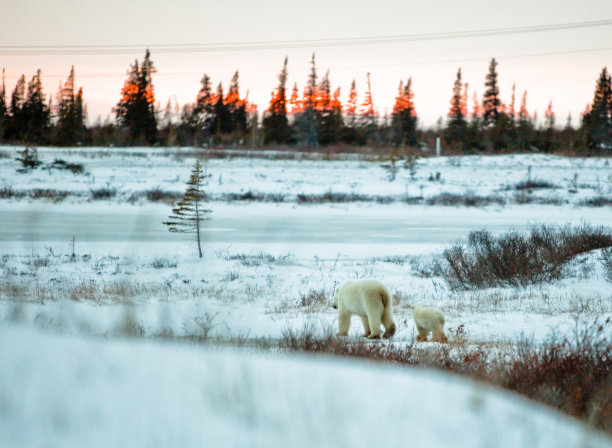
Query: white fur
<point x="429" y="319"/>
<point x="368" y="299"/>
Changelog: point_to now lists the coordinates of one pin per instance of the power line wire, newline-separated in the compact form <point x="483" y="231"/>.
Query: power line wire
<point x="38" y="50"/>
<point x="343" y="67"/>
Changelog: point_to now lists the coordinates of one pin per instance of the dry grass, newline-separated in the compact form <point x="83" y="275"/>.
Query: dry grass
<point x="573" y="375"/>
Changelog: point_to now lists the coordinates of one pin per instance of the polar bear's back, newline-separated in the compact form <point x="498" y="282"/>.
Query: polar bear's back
<point x="369" y="288"/>
<point x="356" y="295"/>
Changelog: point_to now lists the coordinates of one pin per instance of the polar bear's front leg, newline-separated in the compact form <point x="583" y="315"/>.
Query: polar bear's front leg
<point x="344" y="322"/>
<point x="366" y="326"/>
<point x="374" y="322"/>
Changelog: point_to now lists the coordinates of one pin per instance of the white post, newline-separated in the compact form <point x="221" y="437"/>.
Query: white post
<point x="438" y="147"/>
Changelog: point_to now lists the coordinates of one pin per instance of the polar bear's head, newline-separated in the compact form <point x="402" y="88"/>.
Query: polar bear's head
<point x="335" y="305"/>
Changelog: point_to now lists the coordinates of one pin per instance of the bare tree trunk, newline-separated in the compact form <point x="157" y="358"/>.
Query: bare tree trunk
<point x="198" y="225"/>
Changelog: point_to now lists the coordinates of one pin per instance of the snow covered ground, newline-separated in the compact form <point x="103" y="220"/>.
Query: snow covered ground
<point x="268" y="268"/>
<point x="68" y="392"/>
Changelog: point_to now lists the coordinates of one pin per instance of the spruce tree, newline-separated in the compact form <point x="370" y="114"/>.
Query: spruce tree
<point x="3" y="109"/>
<point x="547" y="137"/>
<point x="457" y="124"/>
<point x="17" y="119"/>
<point x="351" y="107"/>
<point x="329" y="123"/>
<point x="404" y="117"/>
<point x="203" y="117"/>
<point x="275" y="123"/>
<point x="306" y="124"/>
<point x="524" y="127"/>
<point x="36" y="111"/>
<point x="367" y="115"/>
<point x="223" y="119"/>
<point x="236" y="108"/>
<point x="474" y="133"/>
<point x="295" y="105"/>
<point x="188" y="215"/>
<point x="70" y="115"/>
<point x="136" y="109"/>
<point x="597" y="122"/>
<point x="490" y="100"/>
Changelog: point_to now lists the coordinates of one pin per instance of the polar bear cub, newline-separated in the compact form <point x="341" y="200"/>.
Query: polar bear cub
<point x="368" y="299"/>
<point x="429" y="319"/>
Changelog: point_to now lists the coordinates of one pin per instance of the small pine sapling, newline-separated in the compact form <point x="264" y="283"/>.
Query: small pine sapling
<point x="189" y="211"/>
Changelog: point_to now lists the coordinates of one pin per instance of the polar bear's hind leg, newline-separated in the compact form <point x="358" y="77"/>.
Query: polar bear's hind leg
<point x="387" y="321"/>
<point x="374" y="321"/>
<point x="366" y="326"/>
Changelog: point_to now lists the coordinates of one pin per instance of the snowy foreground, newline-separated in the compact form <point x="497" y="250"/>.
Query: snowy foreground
<point x="74" y="392"/>
<point x="69" y="378"/>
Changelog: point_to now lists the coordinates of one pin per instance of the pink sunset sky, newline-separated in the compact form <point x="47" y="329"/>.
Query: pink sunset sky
<point x="102" y="39"/>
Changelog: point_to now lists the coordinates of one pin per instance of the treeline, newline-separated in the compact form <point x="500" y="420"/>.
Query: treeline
<point x="308" y="119"/>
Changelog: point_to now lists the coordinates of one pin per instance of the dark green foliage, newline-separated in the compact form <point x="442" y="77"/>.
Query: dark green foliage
<point x="404" y="117"/>
<point x="491" y="103"/>
<point x="198" y="120"/>
<point x="17" y="127"/>
<point x="275" y="123"/>
<point x="456" y="129"/>
<point x="29" y="119"/>
<point x="524" y="127"/>
<point x="222" y="121"/>
<point x="189" y="213"/>
<point x="4" y="112"/>
<point x="328" y="113"/>
<point x="236" y="109"/>
<point x="136" y="109"/>
<point x="70" y="127"/>
<point x="305" y="121"/>
<point x="597" y="122"/>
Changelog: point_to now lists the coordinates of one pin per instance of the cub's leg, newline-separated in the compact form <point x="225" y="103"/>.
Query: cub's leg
<point x="423" y="333"/>
<point x="366" y="326"/>
<point x="439" y="336"/>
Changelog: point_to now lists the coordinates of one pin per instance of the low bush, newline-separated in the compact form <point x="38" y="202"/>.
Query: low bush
<point x="103" y="193"/>
<point x="332" y="197"/>
<point x="467" y="200"/>
<point x="598" y="201"/>
<point x="533" y="184"/>
<point x="158" y="195"/>
<point x="313" y="297"/>
<point x="75" y="168"/>
<point x="48" y="194"/>
<point x="572" y="375"/>
<point x="518" y="259"/>
<point x="163" y="263"/>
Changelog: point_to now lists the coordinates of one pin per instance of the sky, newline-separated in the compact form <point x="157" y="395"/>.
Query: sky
<point x="560" y="65"/>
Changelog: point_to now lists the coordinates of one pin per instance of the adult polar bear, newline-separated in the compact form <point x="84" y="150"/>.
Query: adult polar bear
<point x="370" y="300"/>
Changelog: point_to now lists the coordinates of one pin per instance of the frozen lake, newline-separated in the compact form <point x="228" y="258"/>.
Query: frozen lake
<point x="271" y="224"/>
